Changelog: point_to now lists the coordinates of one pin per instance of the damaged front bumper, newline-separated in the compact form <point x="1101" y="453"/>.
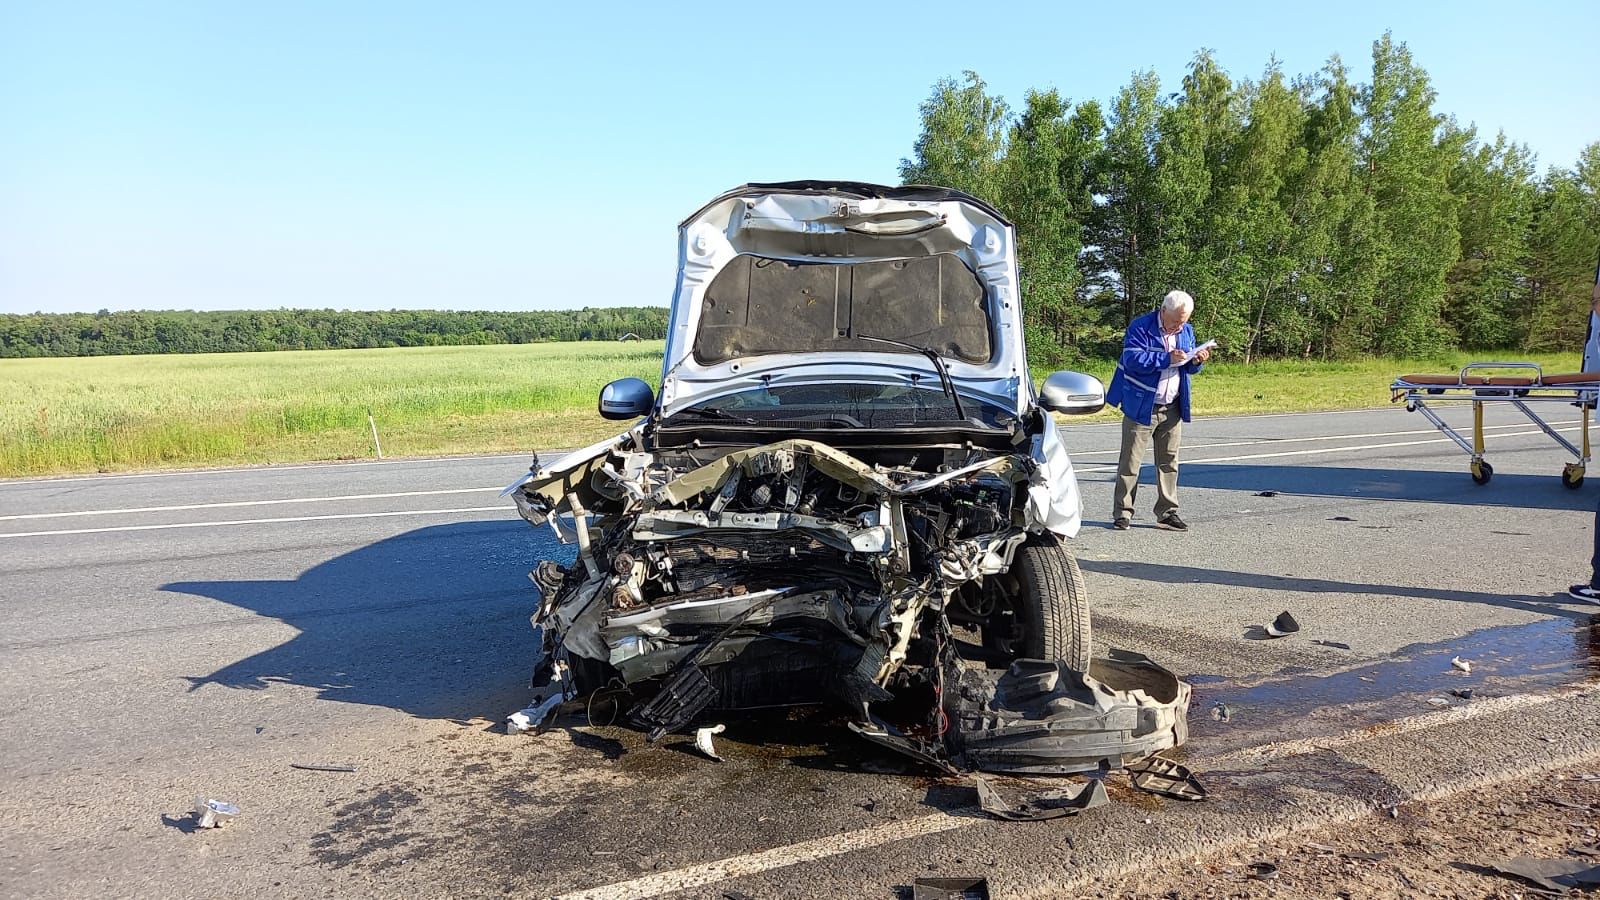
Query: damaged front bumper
<point x="798" y="573"/>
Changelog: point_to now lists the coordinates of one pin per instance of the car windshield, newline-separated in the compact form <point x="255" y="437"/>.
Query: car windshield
<point x="846" y="406"/>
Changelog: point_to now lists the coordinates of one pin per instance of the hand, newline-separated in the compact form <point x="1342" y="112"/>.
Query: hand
<point x="1178" y="358"/>
<point x="1203" y="355"/>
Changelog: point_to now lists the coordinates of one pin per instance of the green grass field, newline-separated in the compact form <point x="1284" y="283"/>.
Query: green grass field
<point x="134" y="412"/>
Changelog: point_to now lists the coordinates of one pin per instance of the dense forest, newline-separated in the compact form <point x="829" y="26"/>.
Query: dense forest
<point x="1310" y="216"/>
<point x="107" y="333"/>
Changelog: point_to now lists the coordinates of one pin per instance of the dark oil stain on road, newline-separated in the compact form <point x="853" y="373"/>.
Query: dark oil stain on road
<point x="1505" y="660"/>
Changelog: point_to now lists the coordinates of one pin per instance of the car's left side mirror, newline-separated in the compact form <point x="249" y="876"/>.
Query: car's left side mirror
<point x="626" y="398"/>
<point x="1072" y="394"/>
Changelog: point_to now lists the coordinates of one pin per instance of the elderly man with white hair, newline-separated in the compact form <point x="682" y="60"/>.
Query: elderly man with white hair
<point x="1151" y="387"/>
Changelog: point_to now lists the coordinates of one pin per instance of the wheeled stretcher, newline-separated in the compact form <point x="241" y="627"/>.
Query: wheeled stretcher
<point x="1519" y="390"/>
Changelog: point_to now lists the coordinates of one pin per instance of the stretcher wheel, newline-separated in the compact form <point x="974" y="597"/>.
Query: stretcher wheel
<point x="1482" y="472"/>
<point x="1572" y="476"/>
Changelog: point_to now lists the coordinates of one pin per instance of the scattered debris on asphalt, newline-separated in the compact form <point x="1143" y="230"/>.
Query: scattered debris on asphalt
<point x="1461" y="693"/>
<point x="1043" y="805"/>
<point x="702" y="740"/>
<point x="971" y="887"/>
<point x="1438" y="702"/>
<point x="731" y="894"/>
<point x="1366" y="857"/>
<point x="1283" y="625"/>
<point x="1320" y="848"/>
<point x="535" y="715"/>
<point x="1340" y="519"/>
<point x="1161" y="776"/>
<point x="1337" y="645"/>
<point x="1457" y="662"/>
<point x="323" y="767"/>
<point x="1266" y="493"/>
<point x="1551" y="874"/>
<point x="213" y="813"/>
<point x="1220" y="711"/>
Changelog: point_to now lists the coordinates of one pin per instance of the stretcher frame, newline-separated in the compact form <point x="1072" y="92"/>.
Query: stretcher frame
<point x="1519" y="392"/>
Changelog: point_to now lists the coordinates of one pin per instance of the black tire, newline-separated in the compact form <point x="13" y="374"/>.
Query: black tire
<point x="1051" y="603"/>
<point x="1483" y="473"/>
<point x="1572" y="477"/>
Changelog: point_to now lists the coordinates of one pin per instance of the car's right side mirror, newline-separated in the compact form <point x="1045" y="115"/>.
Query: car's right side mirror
<point x="626" y="398"/>
<point x="1072" y="394"/>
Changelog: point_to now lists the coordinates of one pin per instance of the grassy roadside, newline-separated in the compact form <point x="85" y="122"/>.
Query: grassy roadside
<point x="61" y="416"/>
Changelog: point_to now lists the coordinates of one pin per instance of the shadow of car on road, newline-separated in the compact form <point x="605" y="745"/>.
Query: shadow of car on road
<point x="432" y="622"/>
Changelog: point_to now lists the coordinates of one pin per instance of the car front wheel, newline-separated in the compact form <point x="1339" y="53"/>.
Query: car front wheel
<point x="1049" y="614"/>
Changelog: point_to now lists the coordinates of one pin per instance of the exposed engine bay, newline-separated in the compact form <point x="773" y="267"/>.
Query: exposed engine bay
<point x="797" y="573"/>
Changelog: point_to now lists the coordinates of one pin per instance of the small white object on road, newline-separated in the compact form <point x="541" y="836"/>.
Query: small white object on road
<point x="702" y="740"/>
<point x="213" y="813"/>
<point x="1459" y="663"/>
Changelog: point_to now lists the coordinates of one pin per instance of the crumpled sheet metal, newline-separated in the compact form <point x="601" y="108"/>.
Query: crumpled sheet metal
<point x="1041" y="717"/>
<point x="835" y="464"/>
<point x="1556" y="875"/>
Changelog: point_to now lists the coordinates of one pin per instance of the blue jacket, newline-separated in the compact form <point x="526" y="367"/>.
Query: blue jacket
<point x="1144" y="355"/>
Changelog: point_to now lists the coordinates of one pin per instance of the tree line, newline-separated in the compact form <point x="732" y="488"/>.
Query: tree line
<point x="1311" y="216"/>
<point x="185" y="331"/>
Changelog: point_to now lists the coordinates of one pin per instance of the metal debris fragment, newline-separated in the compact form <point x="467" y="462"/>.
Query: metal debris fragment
<point x="1461" y="693"/>
<point x="1266" y="493"/>
<point x="1457" y="662"/>
<point x="1162" y="776"/>
<point x="323" y="767"/>
<point x="210" y="813"/>
<point x="1283" y="625"/>
<point x="1220" y="711"/>
<point x="1043" y="805"/>
<point x="1337" y="645"/>
<point x="702" y="739"/>
<point x="1437" y="702"/>
<point x="1263" y="871"/>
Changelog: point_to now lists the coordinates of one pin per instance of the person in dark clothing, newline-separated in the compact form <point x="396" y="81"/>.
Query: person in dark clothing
<point x="1591" y="362"/>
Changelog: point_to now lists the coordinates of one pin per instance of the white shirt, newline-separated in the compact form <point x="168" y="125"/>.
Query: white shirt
<point x="1167" y="387"/>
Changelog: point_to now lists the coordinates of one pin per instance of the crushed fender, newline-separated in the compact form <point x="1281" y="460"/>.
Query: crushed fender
<point x="729" y="578"/>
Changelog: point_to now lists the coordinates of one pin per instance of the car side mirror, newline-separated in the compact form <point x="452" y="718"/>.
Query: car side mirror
<point x="1072" y="394"/>
<point x="627" y="398"/>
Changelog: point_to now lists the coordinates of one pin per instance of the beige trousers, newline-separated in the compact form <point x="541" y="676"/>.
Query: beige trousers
<point x="1167" y="427"/>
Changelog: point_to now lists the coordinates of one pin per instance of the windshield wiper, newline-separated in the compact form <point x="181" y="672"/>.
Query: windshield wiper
<point x="712" y="412"/>
<point x="933" y="356"/>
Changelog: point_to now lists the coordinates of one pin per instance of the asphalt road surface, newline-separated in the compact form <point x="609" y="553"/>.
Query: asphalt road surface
<point x="169" y="635"/>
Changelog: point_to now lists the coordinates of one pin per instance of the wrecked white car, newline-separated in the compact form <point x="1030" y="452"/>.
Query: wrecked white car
<point x="847" y="465"/>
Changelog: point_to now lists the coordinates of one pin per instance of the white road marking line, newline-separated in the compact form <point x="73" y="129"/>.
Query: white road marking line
<point x="1324" y="437"/>
<point x="1314" y="450"/>
<point x="776" y="858"/>
<point x="372" y="515"/>
<point x="703" y="874"/>
<point x="236" y="470"/>
<point x="235" y="503"/>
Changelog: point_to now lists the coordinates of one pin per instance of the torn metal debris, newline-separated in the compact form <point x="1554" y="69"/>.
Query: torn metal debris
<point x="210" y="813"/>
<point x="845" y="466"/>
<point x="972" y="887"/>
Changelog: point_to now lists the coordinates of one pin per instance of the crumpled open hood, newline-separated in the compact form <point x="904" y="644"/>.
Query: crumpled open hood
<point x="789" y="283"/>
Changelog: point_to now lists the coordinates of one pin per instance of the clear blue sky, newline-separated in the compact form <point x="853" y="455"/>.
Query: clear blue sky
<point x="219" y="155"/>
